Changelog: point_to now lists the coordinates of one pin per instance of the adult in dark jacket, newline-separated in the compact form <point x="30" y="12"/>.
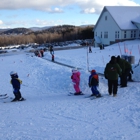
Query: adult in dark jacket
<point x="16" y="86"/>
<point x="112" y="72"/>
<point x="126" y="69"/>
<point x="121" y="63"/>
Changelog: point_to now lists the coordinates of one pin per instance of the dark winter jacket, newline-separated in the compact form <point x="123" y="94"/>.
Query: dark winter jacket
<point x="51" y="48"/>
<point x="127" y="65"/>
<point x="93" y="79"/>
<point x="15" y="82"/>
<point x="121" y="63"/>
<point x="112" y="71"/>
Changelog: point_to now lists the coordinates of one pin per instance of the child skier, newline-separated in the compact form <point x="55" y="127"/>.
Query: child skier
<point x="93" y="83"/>
<point x="76" y="81"/>
<point x="51" y="50"/>
<point x="16" y="86"/>
<point x="42" y="52"/>
<point x="52" y="57"/>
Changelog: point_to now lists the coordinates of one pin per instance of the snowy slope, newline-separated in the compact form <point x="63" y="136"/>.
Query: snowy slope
<point x="49" y="114"/>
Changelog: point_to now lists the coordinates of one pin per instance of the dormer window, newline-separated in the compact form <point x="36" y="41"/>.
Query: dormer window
<point x="105" y="17"/>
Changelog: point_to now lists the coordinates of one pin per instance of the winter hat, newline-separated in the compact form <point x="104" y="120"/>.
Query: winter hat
<point x="113" y="58"/>
<point x="118" y="57"/>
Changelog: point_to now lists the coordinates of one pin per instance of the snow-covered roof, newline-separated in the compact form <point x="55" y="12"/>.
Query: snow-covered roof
<point x="124" y="15"/>
<point x="136" y="20"/>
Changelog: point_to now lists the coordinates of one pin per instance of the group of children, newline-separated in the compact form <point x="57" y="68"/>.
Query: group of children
<point x="39" y="53"/>
<point x="93" y="82"/>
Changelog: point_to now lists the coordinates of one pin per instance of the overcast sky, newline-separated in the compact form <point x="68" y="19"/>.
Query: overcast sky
<point x="40" y="13"/>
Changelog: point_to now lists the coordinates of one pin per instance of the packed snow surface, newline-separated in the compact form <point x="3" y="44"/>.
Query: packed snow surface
<point x="50" y="114"/>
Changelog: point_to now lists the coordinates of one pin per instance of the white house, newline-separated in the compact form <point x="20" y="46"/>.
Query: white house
<point x="117" y="23"/>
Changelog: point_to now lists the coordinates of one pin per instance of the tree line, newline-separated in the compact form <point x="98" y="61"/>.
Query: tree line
<point x="54" y="34"/>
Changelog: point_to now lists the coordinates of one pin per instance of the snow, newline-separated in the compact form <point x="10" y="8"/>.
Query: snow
<point x="123" y="15"/>
<point x="50" y="114"/>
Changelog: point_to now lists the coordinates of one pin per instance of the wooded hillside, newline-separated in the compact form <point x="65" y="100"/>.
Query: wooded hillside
<point x="20" y="36"/>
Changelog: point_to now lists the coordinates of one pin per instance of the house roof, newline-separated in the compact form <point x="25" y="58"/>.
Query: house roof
<point x="124" y="15"/>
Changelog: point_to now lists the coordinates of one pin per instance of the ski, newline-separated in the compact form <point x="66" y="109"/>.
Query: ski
<point x="94" y="97"/>
<point x="72" y="94"/>
<point x="89" y="96"/>
<point x="2" y="95"/>
<point x="14" y="101"/>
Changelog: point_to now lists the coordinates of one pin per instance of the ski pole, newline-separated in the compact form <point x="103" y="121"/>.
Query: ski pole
<point x="25" y="85"/>
<point x="120" y="49"/>
<point x="87" y="60"/>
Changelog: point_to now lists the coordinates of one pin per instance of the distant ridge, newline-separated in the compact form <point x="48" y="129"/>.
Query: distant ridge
<point x="39" y="28"/>
<point x="17" y="31"/>
<point x="21" y="30"/>
<point x="86" y="25"/>
<point x="3" y="30"/>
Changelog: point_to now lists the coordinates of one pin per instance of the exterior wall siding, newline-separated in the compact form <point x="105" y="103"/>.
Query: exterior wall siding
<point x="130" y="34"/>
<point x="107" y="24"/>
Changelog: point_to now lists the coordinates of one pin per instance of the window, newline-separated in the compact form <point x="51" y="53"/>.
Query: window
<point x="105" y="34"/>
<point x="124" y="34"/>
<point x="134" y="34"/>
<point x="96" y="33"/>
<point x="105" y="17"/>
<point x="117" y="34"/>
<point x="131" y="34"/>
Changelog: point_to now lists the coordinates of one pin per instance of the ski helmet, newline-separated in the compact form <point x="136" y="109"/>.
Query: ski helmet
<point x="13" y="73"/>
<point x="93" y="71"/>
<point x="74" y="70"/>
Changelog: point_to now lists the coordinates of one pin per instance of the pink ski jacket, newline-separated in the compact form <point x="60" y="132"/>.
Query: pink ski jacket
<point x="75" y="76"/>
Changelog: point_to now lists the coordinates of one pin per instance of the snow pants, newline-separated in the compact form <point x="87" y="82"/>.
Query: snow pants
<point x="124" y="77"/>
<point x="112" y="86"/>
<point x="94" y="90"/>
<point x="76" y="87"/>
<point x="17" y="94"/>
